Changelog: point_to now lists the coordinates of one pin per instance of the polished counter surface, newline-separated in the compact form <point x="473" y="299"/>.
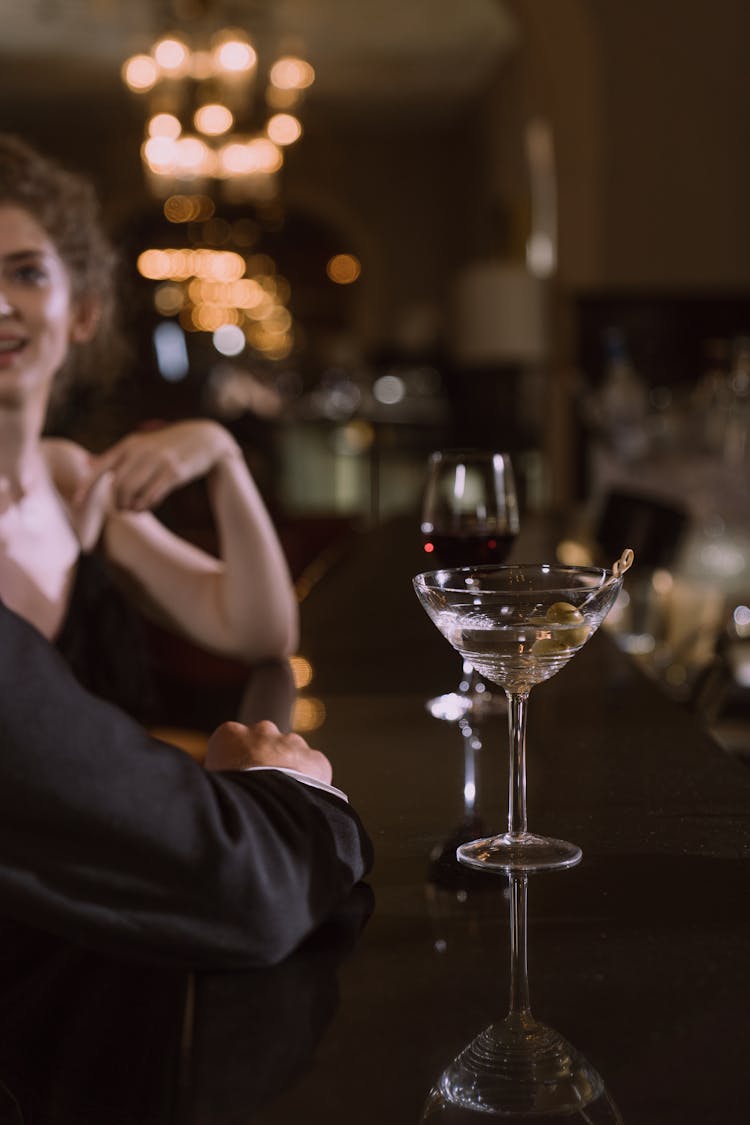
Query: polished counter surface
<point x="638" y="956"/>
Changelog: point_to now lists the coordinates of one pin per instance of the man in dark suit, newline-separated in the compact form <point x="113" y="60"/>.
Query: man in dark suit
<point x="116" y="841"/>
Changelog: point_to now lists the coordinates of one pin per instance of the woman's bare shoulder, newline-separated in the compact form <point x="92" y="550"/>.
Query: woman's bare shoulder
<point x="69" y="464"/>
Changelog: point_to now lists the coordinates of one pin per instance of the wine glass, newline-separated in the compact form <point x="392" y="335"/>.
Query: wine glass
<point x="519" y="625"/>
<point x="469" y="518"/>
<point x="519" y="1068"/>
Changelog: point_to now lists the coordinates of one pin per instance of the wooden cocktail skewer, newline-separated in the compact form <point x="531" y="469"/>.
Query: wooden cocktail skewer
<point x="624" y="563"/>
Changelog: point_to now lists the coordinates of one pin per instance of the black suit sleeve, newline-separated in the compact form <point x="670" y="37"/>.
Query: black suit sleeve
<point x="118" y="841"/>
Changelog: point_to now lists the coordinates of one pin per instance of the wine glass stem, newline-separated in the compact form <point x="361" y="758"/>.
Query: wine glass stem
<point x="517" y="708"/>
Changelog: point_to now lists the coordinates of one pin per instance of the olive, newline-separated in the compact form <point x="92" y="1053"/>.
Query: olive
<point x="548" y="646"/>
<point x="565" y="613"/>
<point x="577" y="637"/>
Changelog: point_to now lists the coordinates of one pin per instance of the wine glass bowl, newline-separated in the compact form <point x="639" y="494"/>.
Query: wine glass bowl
<point x="518" y="625"/>
<point x="470" y="507"/>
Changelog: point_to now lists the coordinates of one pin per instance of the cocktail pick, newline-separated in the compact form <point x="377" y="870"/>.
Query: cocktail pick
<point x="624" y="563"/>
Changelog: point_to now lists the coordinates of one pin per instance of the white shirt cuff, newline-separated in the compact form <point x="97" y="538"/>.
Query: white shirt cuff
<point x="313" y="782"/>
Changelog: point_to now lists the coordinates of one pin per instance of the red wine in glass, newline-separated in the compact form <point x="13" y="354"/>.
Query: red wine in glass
<point x="478" y="549"/>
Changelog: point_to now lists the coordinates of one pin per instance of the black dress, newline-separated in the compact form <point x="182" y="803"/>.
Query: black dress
<point x="104" y="639"/>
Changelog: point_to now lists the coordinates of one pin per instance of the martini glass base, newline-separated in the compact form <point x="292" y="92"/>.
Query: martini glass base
<point x="519" y="852"/>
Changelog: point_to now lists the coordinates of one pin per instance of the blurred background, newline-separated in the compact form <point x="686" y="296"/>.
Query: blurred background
<point x="358" y="230"/>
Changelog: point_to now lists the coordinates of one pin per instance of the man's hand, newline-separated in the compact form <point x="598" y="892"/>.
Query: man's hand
<point x="233" y="746"/>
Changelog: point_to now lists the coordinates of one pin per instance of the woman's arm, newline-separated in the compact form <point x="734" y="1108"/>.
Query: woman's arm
<point x="240" y="604"/>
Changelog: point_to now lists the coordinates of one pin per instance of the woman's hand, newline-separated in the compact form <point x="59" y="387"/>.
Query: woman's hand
<point x="233" y="746"/>
<point x="145" y="467"/>
<point x="238" y="600"/>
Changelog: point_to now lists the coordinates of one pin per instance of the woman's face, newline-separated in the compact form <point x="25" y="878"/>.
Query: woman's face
<point x="38" y="316"/>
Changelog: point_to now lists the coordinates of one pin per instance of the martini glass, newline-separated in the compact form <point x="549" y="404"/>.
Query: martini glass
<point x="518" y="1068"/>
<point x="469" y="518"/>
<point x="518" y="626"/>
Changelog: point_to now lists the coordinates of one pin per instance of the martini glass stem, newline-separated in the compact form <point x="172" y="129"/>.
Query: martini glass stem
<point x="517" y="709"/>
<point x="519" y="1004"/>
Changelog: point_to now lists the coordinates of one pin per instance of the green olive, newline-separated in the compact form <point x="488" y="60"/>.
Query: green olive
<point x="576" y="637"/>
<point x="565" y="613"/>
<point x="548" y="646"/>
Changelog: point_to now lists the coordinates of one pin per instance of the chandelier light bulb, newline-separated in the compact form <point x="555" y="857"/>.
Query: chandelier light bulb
<point x="192" y="155"/>
<point x="164" y="125"/>
<point x="290" y="73"/>
<point x="180" y="79"/>
<point x="236" y="159"/>
<point x="213" y="119"/>
<point x="267" y="156"/>
<point x="140" y="73"/>
<point x="235" y="56"/>
<point x="160" y="153"/>
<point x="283" y="129"/>
<point x="171" y="54"/>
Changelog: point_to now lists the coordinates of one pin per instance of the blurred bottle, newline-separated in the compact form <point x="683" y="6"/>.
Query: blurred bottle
<point x="621" y="404"/>
<point x="712" y="397"/>
<point x="738" y="421"/>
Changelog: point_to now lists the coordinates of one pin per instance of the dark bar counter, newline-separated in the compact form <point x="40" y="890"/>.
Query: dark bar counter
<point x="638" y="956"/>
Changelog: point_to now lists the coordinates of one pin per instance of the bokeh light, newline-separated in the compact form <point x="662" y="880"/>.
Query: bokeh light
<point x="188" y="208"/>
<point x="308" y="714"/>
<point x="229" y="339"/>
<point x="171" y="54"/>
<point x="389" y="389"/>
<point x="284" y="129"/>
<point x="164" y="125"/>
<point x="213" y="119"/>
<point x="140" y="73"/>
<point x="169" y="299"/>
<point x="302" y="671"/>
<point x="235" y="56"/>
<point x="290" y="73"/>
<point x="343" y="269"/>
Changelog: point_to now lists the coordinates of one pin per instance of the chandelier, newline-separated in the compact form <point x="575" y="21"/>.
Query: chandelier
<point x="220" y="111"/>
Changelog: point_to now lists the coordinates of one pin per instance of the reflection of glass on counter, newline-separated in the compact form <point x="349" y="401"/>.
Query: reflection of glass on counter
<point x="452" y="890"/>
<point x="445" y="869"/>
<point x="518" y="1068"/>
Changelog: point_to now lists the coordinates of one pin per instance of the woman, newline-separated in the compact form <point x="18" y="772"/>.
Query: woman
<point x="59" y="502"/>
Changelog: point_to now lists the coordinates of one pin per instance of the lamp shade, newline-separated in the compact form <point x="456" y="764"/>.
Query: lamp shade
<point x="500" y="315"/>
